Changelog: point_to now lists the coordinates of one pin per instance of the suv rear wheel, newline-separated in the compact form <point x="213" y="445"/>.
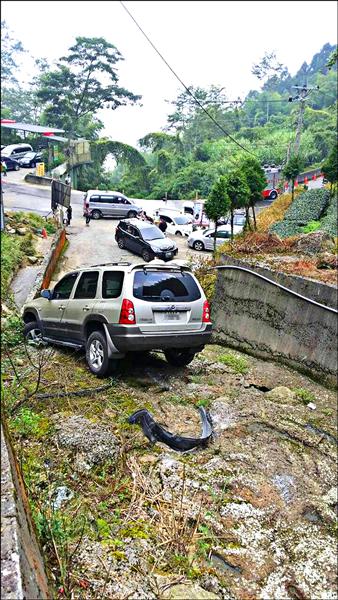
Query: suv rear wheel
<point x="96" y="214"/>
<point x="198" y="245"/>
<point x="120" y="243"/>
<point x="132" y="214"/>
<point x="97" y="354"/>
<point x="179" y="358"/>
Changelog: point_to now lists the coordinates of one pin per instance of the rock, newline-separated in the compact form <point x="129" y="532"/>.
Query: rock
<point x="10" y="230"/>
<point x="32" y="259"/>
<point x="21" y="230"/>
<point x="5" y="310"/>
<point x="184" y="591"/>
<point x="281" y="395"/>
<point x="313" y="243"/>
<point x="326" y="260"/>
<point x="222" y="415"/>
<point x="94" y="443"/>
<point x="61" y="494"/>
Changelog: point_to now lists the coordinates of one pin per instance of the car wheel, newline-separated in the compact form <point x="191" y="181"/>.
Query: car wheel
<point x="179" y="358"/>
<point x="178" y="233"/>
<point x="132" y="214"/>
<point x="147" y="256"/>
<point x="17" y="167"/>
<point x="120" y="243"/>
<point x="96" y="214"/>
<point x="97" y="354"/>
<point x="198" y="246"/>
<point x="33" y="333"/>
<point x="273" y="195"/>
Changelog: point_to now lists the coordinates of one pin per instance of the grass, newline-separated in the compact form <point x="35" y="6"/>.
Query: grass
<point x="237" y="363"/>
<point x="304" y="395"/>
<point x="11" y="257"/>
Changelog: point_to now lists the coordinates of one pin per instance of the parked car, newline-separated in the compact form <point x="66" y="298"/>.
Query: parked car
<point x="110" y="204"/>
<point x="239" y="220"/>
<point x="30" y="159"/>
<point x="177" y="223"/>
<point x="11" y="164"/>
<point x="204" y="240"/>
<point x="145" y="239"/>
<point x="117" y="308"/>
<point x="16" y="151"/>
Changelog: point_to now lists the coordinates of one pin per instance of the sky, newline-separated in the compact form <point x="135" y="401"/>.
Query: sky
<point x="205" y="43"/>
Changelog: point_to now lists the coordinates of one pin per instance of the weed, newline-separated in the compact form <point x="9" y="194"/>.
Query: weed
<point x="27" y="423"/>
<point x="175" y="399"/>
<point x="203" y="402"/>
<point x="311" y="226"/>
<point x="237" y="363"/>
<point x="304" y="395"/>
<point x="12" y="331"/>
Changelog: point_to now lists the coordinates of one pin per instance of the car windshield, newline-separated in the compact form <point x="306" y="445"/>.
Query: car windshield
<point x="182" y="220"/>
<point x="152" y="233"/>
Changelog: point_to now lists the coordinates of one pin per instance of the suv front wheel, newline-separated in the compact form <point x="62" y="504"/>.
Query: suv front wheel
<point x="179" y="358"/>
<point x="97" y="354"/>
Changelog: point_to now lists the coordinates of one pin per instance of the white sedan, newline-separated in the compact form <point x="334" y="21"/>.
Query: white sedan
<point x="204" y="239"/>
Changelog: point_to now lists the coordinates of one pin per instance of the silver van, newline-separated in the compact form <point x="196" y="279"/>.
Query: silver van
<point x="110" y="204"/>
<point x="16" y="151"/>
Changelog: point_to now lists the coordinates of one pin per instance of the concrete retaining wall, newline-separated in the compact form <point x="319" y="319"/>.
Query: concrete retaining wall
<point x="31" y="178"/>
<point x="22" y="569"/>
<point x="265" y="321"/>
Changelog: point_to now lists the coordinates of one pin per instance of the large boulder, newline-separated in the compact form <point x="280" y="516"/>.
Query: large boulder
<point x="315" y="242"/>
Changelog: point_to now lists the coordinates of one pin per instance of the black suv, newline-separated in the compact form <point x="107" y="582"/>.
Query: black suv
<point x="145" y="239"/>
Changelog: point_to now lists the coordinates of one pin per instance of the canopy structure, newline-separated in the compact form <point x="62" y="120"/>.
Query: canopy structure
<point x="9" y="124"/>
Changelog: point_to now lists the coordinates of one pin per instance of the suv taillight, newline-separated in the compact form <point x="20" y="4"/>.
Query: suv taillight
<point x="127" y="314"/>
<point x="206" y="312"/>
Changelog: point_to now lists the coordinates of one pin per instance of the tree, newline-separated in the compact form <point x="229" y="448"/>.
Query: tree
<point x="218" y="203"/>
<point x="256" y="181"/>
<point x="84" y="82"/>
<point x="270" y="70"/>
<point x="10" y="48"/>
<point x="292" y="170"/>
<point x="330" y="166"/>
<point x="238" y="191"/>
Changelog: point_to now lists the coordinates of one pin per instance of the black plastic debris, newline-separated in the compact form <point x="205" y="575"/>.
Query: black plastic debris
<point x="156" y="433"/>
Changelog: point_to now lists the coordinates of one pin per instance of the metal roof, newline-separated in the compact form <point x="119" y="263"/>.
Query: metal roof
<point x="32" y="128"/>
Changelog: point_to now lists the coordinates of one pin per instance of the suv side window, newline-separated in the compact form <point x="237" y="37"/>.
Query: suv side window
<point x="112" y="282"/>
<point x="86" y="288"/>
<point x="63" y="289"/>
<point x="95" y="199"/>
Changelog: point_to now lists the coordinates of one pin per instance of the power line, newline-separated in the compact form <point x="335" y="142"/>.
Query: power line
<point x="183" y="84"/>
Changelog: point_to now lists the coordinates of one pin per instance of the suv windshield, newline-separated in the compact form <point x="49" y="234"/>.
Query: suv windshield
<point x="152" y="233"/>
<point x="165" y="287"/>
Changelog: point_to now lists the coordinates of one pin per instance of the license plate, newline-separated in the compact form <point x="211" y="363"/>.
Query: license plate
<point x="171" y="316"/>
<point x="168" y="254"/>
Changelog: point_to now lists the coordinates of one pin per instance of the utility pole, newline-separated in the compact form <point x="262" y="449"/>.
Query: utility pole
<point x="302" y="95"/>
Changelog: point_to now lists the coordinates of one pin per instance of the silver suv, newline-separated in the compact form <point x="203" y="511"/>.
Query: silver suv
<point x="116" y="308"/>
<point x="110" y="204"/>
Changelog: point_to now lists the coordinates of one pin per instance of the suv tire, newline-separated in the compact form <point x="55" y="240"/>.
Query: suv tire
<point x="179" y="358"/>
<point x="147" y="256"/>
<point x="198" y="246"/>
<point x="178" y="233"/>
<point x="33" y="333"/>
<point x="121" y="243"/>
<point x="132" y="214"/>
<point x="273" y="195"/>
<point x="97" y="354"/>
<point x="96" y="214"/>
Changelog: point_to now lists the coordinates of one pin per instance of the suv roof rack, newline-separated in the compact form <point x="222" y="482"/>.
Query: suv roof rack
<point x="111" y="264"/>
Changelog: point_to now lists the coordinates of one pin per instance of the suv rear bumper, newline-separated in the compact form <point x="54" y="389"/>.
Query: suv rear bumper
<point x="131" y="339"/>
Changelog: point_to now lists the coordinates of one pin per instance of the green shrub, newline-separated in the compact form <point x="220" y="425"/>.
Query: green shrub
<point x="237" y="363"/>
<point x="12" y="333"/>
<point x="311" y="226"/>
<point x="11" y="257"/>
<point x="308" y="206"/>
<point x="286" y="229"/>
<point x="329" y="222"/>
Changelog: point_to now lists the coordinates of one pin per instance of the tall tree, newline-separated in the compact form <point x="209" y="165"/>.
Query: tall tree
<point x="238" y="191"/>
<point x="330" y="167"/>
<point x="10" y="50"/>
<point x="256" y="180"/>
<point x="292" y="170"/>
<point x="218" y="203"/>
<point x="270" y="70"/>
<point x="84" y="82"/>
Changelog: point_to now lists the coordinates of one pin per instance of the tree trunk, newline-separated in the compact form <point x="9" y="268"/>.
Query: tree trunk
<point x="215" y="235"/>
<point x="292" y="189"/>
<point x="247" y="219"/>
<point x="232" y="223"/>
<point x="254" y="216"/>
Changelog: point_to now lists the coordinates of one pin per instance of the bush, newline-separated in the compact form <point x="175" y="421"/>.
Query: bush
<point x="11" y="257"/>
<point x="330" y="221"/>
<point x="311" y="226"/>
<point x="286" y="229"/>
<point x="305" y="209"/>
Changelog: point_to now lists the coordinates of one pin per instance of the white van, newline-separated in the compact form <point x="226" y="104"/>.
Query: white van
<point x="177" y="223"/>
<point x="16" y="151"/>
<point x="110" y="204"/>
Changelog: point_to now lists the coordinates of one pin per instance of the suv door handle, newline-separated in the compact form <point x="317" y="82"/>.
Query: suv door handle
<point x="62" y="307"/>
<point x="86" y="308"/>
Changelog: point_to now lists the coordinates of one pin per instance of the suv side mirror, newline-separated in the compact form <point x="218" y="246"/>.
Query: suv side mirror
<point x="46" y="294"/>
